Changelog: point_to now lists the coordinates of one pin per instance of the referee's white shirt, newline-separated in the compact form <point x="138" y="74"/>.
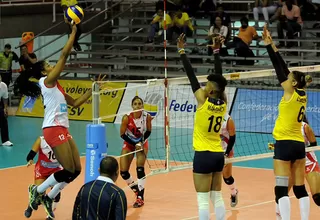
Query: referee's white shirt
<point x="3" y="90"/>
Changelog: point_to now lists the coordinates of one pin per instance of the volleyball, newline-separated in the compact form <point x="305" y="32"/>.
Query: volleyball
<point x="74" y="14"/>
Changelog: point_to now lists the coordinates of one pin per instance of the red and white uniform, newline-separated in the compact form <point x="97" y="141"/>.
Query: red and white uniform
<point x="224" y="134"/>
<point x="312" y="164"/>
<point x="135" y="130"/>
<point x="55" y="123"/>
<point x="47" y="163"/>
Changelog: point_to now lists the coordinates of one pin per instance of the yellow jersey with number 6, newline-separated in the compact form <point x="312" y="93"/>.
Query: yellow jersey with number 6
<point x="290" y="117"/>
<point x="207" y="125"/>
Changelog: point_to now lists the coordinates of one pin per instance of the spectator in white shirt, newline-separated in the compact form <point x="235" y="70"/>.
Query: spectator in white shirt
<point x="4" y="114"/>
<point x="216" y="30"/>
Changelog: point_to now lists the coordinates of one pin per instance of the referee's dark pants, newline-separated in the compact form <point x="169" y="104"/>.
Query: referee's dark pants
<point x="6" y="76"/>
<point x="3" y="126"/>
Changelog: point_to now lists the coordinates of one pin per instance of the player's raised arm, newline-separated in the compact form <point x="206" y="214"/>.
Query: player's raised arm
<point x="279" y="65"/>
<point x="195" y="85"/>
<point x="55" y="73"/>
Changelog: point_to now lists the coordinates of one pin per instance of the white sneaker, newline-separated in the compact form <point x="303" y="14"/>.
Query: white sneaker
<point x="7" y="143"/>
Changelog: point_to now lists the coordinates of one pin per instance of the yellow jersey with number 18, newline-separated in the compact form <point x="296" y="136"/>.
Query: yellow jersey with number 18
<point x="207" y="125"/>
<point x="291" y="113"/>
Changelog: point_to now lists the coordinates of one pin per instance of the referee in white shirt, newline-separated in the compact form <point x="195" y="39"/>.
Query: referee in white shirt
<point x="101" y="199"/>
<point x="4" y="114"/>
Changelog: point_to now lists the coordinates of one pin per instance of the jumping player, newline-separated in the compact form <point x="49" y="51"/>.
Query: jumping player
<point x="46" y="165"/>
<point x="208" y="159"/>
<point x="312" y="168"/>
<point x="289" y="151"/>
<point x="228" y="138"/>
<point x="55" y="124"/>
<point x="135" y="130"/>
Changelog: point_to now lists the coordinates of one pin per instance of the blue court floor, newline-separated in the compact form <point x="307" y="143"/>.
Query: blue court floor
<point x="24" y="131"/>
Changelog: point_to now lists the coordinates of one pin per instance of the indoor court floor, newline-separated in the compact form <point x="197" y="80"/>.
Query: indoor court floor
<point x="167" y="196"/>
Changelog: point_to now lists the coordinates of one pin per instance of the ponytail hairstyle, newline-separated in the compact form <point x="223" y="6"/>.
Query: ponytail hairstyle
<point x="24" y="86"/>
<point x="302" y="79"/>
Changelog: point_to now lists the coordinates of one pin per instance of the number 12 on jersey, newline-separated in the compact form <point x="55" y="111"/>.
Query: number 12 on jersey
<point x="215" y="122"/>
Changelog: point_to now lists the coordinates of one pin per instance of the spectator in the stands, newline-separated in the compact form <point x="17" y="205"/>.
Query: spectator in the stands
<point x="290" y="21"/>
<point x="216" y="30"/>
<point x="242" y="42"/>
<point x="182" y="24"/>
<point x="226" y="20"/>
<point x="26" y="59"/>
<point x="6" y="58"/>
<point x="157" y="26"/>
<point x="265" y="7"/>
<point x="65" y="4"/>
<point x="278" y="12"/>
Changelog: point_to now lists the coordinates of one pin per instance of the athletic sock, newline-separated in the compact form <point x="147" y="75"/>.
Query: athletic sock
<point x="285" y="208"/>
<point x="203" y="205"/>
<point x="218" y="203"/>
<point x="56" y="189"/>
<point x="278" y="216"/>
<point x="141" y="183"/>
<point x="304" y="203"/>
<point x="233" y="189"/>
<point x="49" y="182"/>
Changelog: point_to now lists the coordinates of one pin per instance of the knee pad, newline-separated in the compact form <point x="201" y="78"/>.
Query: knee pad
<point x="57" y="198"/>
<point x="300" y="191"/>
<point x="140" y="172"/>
<point x="74" y="176"/>
<point x="316" y="199"/>
<point x="125" y="175"/>
<point x="229" y="180"/>
<point x="280" y="191"/>
<point x="63" y="176"/>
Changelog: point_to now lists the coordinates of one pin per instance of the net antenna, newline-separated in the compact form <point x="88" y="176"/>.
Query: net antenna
<point x="166" y="91"/>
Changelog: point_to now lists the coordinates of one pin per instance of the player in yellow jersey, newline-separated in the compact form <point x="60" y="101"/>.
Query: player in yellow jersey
<point x="208" y="159"/>
<point x="289" y="149"/>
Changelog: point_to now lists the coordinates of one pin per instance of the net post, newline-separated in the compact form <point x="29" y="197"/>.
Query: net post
<point x="96" y="141"/>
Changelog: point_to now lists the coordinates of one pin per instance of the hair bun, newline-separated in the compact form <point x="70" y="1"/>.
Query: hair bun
<point x="308" y="79"/>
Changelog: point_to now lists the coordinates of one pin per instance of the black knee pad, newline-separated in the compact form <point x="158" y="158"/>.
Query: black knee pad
<point x="229" y="180"/>
<point x="300" y="191"/>
<point x="280" y="191"/>
<point x="140" y="172"/>
<point x="63" y="176"/>
<point x="57" y="198"/>
<point x="316" y="199"/>
<point x="125" y="175"/>
<point x="74" y="176"/>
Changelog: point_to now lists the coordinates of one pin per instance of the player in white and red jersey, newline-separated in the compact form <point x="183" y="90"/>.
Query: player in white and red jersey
<point x="46" y="165"/>
<point x="312" y="167"/>
<point x="55" y="124"/>
<point x="135" y="130"/>
<point x="228" y="138"/>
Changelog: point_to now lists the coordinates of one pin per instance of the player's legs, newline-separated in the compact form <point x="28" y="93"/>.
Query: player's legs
<point x="313" y="179"/>
<point x="141" y="160"/>
<point x="28" y="211"/>
<point x="202" y="185"/>
<point x="229" y="180"/>
<point x="58" y="139"/>
<point x="125" y="163"/>
<point x="216" y="196"/>
<point x="282" y="174"/>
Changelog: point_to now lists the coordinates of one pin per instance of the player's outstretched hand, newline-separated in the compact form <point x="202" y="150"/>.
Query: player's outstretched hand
<point x="30" y="162"/>
<point x="217" y="42"/>
<point x="181" y="42"/>
<point x="138" y="146"/>
<point x="99" y="81"/>
<point x="266" y="36"/>
<point x="270" y="146"/>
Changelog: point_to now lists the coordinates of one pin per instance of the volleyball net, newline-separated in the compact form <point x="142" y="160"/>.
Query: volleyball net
<point x="253" y="99"/>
